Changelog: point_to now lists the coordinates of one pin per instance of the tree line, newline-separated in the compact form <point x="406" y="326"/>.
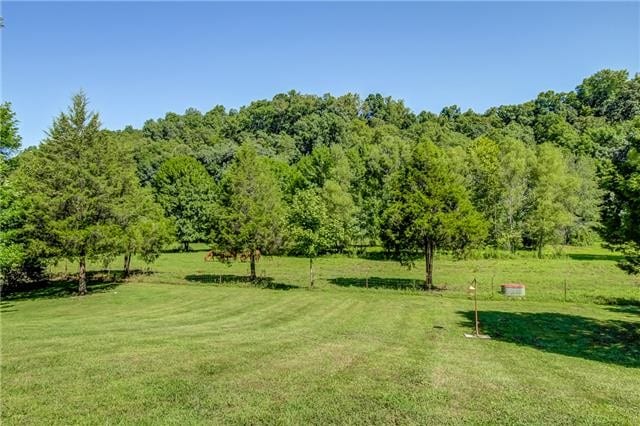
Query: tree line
<point x="307" y="175"/>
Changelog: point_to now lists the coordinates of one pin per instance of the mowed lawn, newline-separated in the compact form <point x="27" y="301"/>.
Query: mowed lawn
<point x="190" y="344"/>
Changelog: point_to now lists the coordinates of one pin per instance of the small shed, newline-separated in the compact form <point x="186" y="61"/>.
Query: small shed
<point x="513" y="289"/>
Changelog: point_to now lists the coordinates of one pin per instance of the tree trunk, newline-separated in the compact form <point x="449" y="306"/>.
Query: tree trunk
<point x="185" y="245"/>
<point x="311" y="272"/>
<point x="429" y="248"/>
<point x="540" y="245"/>
<point x="127" y="265"/>
<point x="253" y="265"/>
<point x="82" y="277"/>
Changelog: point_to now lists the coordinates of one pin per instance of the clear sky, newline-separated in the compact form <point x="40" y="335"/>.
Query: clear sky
<point x="140" y="60"/>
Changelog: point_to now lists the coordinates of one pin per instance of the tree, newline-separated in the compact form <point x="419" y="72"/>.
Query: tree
<point x="499" y="175"/>
<point x="341" y="223"/>
<point x="187" y="193"/>
<point x="251" y="215"/>
<point x="9" y="137"/>
<point x="308" y="231"/>
<point x="12" y="252"/>
<point x="75" y="185"/>
<point x="15" y="262"/>
<point x="328" y="169"/>
<point x="429" y="209"/>
<point x="486" y="184"/>
<point x="372" y="162"/>
<point x="377" y="110"/>
<point x="553" y="194"/>
<point x="319" y="130"/>
<point x="586" y="197"/>
<point x="514" y="175"/>
<point x="598" y="90"/>
<point x="621" y="206"/>
<point x="144" y="230"/>
<point x="626" y="104"/>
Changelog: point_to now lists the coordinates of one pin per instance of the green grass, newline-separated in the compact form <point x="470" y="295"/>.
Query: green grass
<point x="590" y="273"/>
<point x="178" y="346"/>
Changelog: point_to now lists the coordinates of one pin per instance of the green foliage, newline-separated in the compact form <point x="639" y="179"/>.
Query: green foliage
<point x="514" y="194"/>
<point x="598" y="90"/>
<point x="377" y="110"/>
<point x="554" y="192"/>
<point x="77" y="185"/>
<point x="11" y="251"/>
<point x="486" y="183"/>
<point x="341" y="225"/>
<point x="144" y="229"/>
<point x="346" y="151"/>
<point x="429" y="209"/>
<point x="150" y="155"/>
<point x="329" y="172"/>
<point x="621" y="206"/>
<point x="251" y="215"/>
<point x="626" y="104"/>
<point x="187" y="193"/>
<point x="374" y="160"/>
<point x="310" y="231"/>
<point x="307" y="221"/>
<point x="586" y="197"/>
<point x="9" y="137"/>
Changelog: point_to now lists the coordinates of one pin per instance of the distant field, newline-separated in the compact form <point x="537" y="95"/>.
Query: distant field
<point x="178" y="346"/>
<point x="590" y="272"/>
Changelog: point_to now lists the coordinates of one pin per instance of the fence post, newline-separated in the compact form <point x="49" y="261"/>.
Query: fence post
<point x="491" y="289"/>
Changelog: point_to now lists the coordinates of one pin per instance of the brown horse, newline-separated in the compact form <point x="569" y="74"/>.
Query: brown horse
<point x="246" y="255"/>
<point x="223" y="256"/>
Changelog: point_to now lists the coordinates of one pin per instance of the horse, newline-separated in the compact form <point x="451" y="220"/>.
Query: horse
<point x="246" y="255"/>
<point x="223" y="256"/>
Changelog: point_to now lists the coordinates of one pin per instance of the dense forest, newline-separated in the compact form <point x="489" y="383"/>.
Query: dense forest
<point x="307" y="175"/>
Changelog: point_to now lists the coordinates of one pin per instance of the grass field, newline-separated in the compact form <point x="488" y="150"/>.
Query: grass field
<point x="194" y="343"/>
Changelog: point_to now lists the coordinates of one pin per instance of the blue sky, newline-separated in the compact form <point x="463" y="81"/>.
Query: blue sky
<point x="140" y="60"/>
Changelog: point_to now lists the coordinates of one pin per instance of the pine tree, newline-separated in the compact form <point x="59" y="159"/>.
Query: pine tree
<point x="76" y="186"/>
<point x="429" y="209"/>
<point x="251" y="217"/>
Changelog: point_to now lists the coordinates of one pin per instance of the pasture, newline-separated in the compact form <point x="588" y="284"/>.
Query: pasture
<point x="193" y="342"/>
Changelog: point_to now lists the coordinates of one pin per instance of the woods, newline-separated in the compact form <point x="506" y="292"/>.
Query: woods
<point x="309" y="175"/>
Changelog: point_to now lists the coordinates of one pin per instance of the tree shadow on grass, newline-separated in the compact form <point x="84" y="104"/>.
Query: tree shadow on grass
<point x="97" y="282"/>
<point x="6" y="307"/>
<point x="260" y="282"/>
<point x="375" y="255"/>
<point x="620" y="304"/>
<point x="377" y="282"/>
<point x="589" y="256"/>
<point x="609" y="341"/>
<point x="618" y="301"/>
<point x="633" y="310"/>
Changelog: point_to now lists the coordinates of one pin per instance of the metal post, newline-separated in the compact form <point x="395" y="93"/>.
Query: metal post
<point x="491" y="289"/>
<point x="475" y="303"/>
